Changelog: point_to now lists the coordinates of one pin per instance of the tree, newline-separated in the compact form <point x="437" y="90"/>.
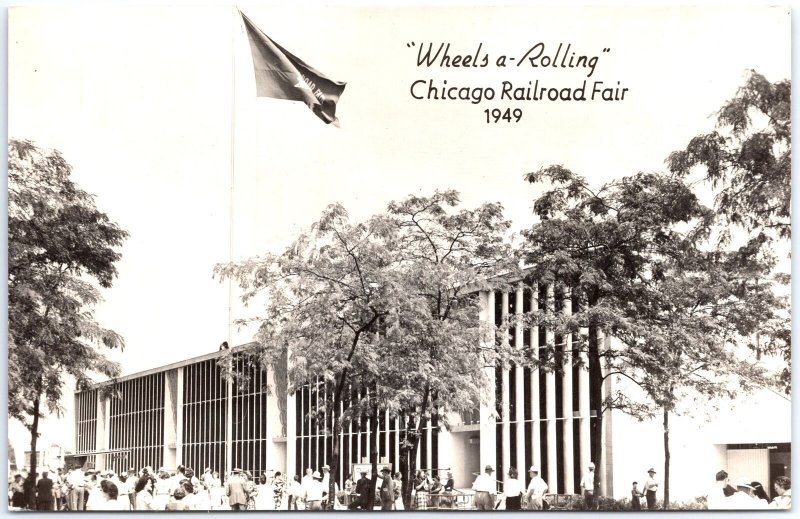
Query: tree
<point x="689" y="342"/>
<point x="637" y="254"/>
<point x="448" y="256"/>
<point x="603" y="245"/>
<point x="59" y="245"/>
<point x="384" y="310"/>
<point x="325" y="296"/>
<point x="748" y="163"/>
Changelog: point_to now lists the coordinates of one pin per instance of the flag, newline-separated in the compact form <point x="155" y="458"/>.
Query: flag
<point x="281" y="75"/>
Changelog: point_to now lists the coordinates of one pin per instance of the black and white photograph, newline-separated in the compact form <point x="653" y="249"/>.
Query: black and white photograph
<point x="384" y="257"/>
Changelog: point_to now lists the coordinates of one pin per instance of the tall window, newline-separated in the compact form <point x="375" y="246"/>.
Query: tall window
<point x="136" y="422"/>
<point x="204" y="413"/>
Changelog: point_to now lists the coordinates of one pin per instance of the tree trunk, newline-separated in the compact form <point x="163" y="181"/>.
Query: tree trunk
<point x="405" y="470"/>
<point x="596" y="395"/>
<point x="337" y="428"/>
<point x="666" y="459"/>
<point x="408" y="459"/>
<point x="30" y="482"/>
<point x="373" y="458"/>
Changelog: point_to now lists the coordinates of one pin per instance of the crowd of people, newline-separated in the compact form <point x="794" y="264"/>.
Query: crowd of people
<point x="146" y="489"/>
<point x="746" y="494"/>
<point x="516" y="495"/>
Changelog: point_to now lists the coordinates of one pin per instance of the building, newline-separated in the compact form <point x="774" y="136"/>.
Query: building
<point x="188" y="413"/>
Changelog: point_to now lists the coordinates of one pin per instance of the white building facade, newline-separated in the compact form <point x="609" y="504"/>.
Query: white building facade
<point x="188" y="413"/>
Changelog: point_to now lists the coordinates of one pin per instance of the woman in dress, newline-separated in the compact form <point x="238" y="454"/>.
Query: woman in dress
<point x="17" y="493"/>
<point x="421" y="489"/>
<point x="263" y="499"/>
<point x="215" y="491"/>
<point x="279" y="490"/>
<point x="144" y="493"/>
<point x="398" y="491"/>
<point x="251" y="490"/>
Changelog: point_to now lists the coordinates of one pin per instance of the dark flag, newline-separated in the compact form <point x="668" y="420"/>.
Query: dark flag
<point x="281" y="75"/>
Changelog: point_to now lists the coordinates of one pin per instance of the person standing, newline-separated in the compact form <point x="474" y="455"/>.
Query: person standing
<point x="144" y="493"/>
<point x="398" y="491"/>
<point x="513" y="489"/>
<point x="163" y="488"/>
<point x="264" y="497"/>
<point x="326" y="478"/>
<point x="279" y="490"/>
<point x="17" y="494"/>
<point x="635" y="495"/>
<point x="587" y="484"/>
<point x="45" y="499"/>
<point x="783" y="491"/>
<point x="387" y="489"/>
<point x="251" y="490"/>
<point x="650" y="489"/>
<point x="421" y="489"/>
<point x="315" y="493"/>
<point x="235" y="490"/>
<point x="536" y="490"/>
<point x="295" y="493"/>
<point x="77" y="483"/>
<point x="485" y="489"/>
<point x="362" y="493"/>
<point x="132" y="479"/>
<point x="215" y="492"/>
<point x="58" y="489"/>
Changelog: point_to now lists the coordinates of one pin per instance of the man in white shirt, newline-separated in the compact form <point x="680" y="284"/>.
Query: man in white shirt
<point x="536" y="490"/>
<point x="650" y="489"/>
<point x="587" y="484"/>
<point x="315" y="493"/>
<point x="95" y="497"/>
<point x="76" y="479"/>
<point x="485" y="487"/>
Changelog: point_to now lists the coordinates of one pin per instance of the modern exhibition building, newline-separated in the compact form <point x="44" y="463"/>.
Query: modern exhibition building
<point x="189" y="413"/>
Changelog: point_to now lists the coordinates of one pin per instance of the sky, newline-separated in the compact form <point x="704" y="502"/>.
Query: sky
<point x="155" y="109"/>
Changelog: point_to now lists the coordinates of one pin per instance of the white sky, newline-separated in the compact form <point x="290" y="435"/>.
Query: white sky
<point x="138" y="99"/>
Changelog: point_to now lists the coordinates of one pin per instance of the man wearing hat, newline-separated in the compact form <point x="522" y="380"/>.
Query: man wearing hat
<point x="234" y="489"/>
<point x="650" y="488"/>
<point x="587" y="484"/>
<point x="485" y="487"/>
<point x="536" y="490"/>
<point x="315" y="492"/>
<point x="387" y="489"/>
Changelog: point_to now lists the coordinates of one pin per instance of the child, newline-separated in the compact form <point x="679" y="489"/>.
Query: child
<point x="635" y="495"/>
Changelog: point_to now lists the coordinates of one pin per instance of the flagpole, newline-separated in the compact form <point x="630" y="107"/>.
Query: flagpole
<point x="229" y="406"/>
<point x="232" y="173"/>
